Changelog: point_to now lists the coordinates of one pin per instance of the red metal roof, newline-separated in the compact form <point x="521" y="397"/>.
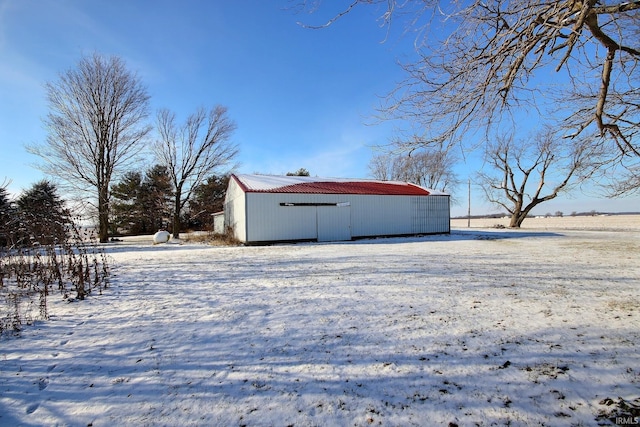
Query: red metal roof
<point x="307" y="185"/>
<point x="354" y="187"/>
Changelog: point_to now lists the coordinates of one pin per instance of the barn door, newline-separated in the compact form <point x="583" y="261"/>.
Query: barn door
<point x="334" y="223"/>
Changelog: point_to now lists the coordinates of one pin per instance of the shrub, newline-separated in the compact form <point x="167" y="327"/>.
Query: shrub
<point x="72" y="265"/>
<point x="217" y="239"/>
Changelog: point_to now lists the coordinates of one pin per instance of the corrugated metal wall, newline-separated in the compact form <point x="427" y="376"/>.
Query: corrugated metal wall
<point x="380" y="215"/>
<point x="266" y="220"/>
<point x="430" y="214"/>
<point x="218" y="223"/>
<point x="235" y="211"/>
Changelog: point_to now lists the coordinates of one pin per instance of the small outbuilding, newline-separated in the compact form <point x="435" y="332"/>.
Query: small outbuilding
<point x="261" y="209"/>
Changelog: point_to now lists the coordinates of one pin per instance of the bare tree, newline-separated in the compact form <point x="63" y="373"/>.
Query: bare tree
<point x="480" y="63"/>
<point x="524" y="174"/>
<point x="426" y="167"/>
<point x="381" y="166"/>
<point x="193" y="151"/>
<point x="430" y="168"/>
<point x="96" y="124"/>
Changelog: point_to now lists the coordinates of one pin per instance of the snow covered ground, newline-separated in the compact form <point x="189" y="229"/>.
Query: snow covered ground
<point x="480" y="327"/>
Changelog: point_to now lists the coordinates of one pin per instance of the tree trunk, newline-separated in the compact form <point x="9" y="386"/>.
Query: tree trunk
<point x="516" y="219"/>
<point x="519" y="215"/>
<point x="176" y="215"/>
<point x="103" y="215"/>
<point x="516" y="216"/>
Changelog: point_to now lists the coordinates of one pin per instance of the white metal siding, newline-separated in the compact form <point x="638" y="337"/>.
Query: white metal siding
<point x="268" y="221"/>
<point x="263" y="219"/>
<point x="430" y="214"/>
<point x="218" y="223"/>
<point x="379" y="215"/>
<point x="235" y="211"/>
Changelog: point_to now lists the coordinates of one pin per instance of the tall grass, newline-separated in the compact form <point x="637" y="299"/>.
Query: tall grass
<point x="70" y="267"/>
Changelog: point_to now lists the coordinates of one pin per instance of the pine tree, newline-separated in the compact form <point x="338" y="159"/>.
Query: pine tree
<point x="142" y="205"/>
<point x="208" y="199"/>
<point x="44" y="218"/>
<point x="156" y="197"/>
<point x="7" y="217"/>
<point x="126" y="210"/>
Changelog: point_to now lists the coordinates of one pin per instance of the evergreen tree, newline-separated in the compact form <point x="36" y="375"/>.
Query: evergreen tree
<point x="126" y="209"/>
<point x="7" y="217"/>
<point x="43" y="216"/>
<point x="299" y="172"/>
<point x="208" y="199"/>
<point x="156" y="199"/>
<point x="142" y="205"/>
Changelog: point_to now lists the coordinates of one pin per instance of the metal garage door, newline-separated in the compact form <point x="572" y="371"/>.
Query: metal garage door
<point x="334" y="223"/>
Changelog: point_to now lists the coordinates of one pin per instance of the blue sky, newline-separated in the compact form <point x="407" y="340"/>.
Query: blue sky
<point x="300" y="97"/>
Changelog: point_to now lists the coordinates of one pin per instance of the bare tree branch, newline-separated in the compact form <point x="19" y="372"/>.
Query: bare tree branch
<point x="480" y="63"/>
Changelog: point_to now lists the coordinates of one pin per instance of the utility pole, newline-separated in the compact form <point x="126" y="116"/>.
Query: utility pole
<point x="469" y="208"/>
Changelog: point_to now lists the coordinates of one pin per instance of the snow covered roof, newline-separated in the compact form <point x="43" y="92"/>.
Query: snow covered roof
<point x="317" y="185"/>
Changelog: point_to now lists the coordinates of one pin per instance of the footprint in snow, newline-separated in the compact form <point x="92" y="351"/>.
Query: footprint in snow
<point x="63" y="342"/>
<point x="43" y="383"/>
<point x="32" y="408"/>
<point x="51" y="368"/>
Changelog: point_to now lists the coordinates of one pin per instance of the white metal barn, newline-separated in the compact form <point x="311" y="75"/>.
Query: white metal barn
<point x="267" y="208"/>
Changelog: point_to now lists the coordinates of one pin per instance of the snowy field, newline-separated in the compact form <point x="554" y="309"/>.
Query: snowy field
<point x="480" y="327"/>
<point x="597" y="222"/>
